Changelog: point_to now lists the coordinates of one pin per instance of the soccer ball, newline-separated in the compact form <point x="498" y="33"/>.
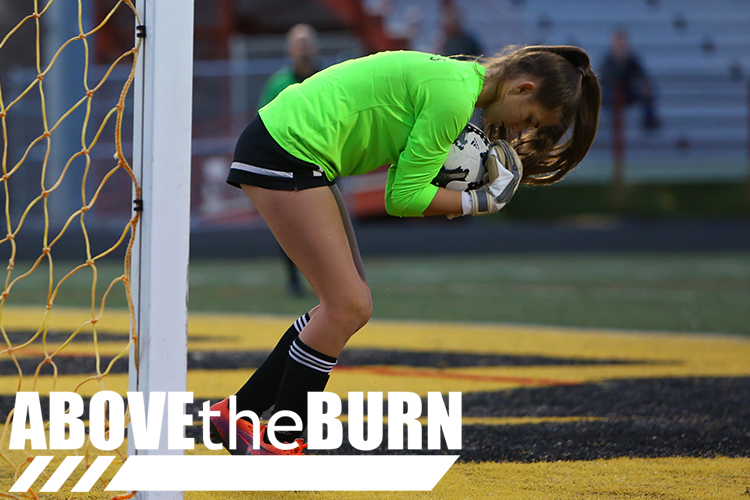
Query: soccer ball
<point x="464" y="166"/>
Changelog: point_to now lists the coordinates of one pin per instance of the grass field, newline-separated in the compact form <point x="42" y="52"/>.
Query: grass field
<point x="556" y="404"/>
<point x="693" y="292"/>
<point x="697" y="293"/>
<point x="683" y="199"/>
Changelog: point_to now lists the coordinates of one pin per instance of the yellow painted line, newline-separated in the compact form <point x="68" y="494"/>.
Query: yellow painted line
<point x="218" y="383"/>
<point x="498" y="421"/>
<point x="214" y="384"/>
<point x="664" y="478"/>
<point x="675" y="355"/>
<point x="527" y="420"/>
<point x="240" y="332"/>
<point x="687" y="354"/>
<point x="678" y="478"/>
<point x="62" y="318"/>
<point x="45" y="384"/>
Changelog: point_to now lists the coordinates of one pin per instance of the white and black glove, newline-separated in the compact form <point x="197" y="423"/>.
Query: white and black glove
<point x="504" y="172"/>
<point x="478" y="202"/>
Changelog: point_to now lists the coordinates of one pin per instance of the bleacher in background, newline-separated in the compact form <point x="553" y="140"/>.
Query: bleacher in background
<point x="696" y="52"/>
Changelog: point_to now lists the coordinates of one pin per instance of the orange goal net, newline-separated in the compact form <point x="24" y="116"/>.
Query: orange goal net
<point x="59" y="189"/>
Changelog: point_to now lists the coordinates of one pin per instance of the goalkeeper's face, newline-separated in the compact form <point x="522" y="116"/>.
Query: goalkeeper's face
<point x="516" y="110"/>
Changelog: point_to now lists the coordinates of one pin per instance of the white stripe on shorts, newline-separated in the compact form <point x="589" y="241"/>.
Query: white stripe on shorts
<point x="261" y="171"/>
<point x="268" y="172"/>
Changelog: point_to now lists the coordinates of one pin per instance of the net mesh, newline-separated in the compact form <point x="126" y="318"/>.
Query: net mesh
<point x="38" y="340"/>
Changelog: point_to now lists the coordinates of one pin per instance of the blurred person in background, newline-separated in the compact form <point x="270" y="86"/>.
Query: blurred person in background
<point x="456" y="40"/>
<point x="302" y="47"/>
<point x="624" y="79"/>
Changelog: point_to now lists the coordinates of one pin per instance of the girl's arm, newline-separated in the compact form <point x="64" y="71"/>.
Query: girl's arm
<point x="445" y="202"/>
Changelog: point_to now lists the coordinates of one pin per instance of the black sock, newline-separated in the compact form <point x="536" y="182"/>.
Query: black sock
<point x="306" y="371"/>
<point x="259" y="392"/>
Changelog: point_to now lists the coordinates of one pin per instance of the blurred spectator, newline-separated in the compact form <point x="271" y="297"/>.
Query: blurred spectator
<point x="456" y="40"/>
<point x="735" y="70"/>
<point x="680" y="22"/>
<point x="302" y="47"/>
<point x="622" y="74"/>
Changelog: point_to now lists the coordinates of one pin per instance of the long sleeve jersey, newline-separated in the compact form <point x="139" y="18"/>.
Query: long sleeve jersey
<point x="399" y="108"/>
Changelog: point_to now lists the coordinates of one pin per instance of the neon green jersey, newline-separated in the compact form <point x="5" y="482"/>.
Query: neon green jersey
<point x="398" y="108"/>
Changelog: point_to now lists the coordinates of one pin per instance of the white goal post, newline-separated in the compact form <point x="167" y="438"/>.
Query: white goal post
<point x="161" y="162"/>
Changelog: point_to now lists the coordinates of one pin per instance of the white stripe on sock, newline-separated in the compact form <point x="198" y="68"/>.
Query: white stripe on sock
<point x="310" y="358"/>
<point x="300" y="323"/>
<point x="306" y="359"/>
<point x="305" y="363"/>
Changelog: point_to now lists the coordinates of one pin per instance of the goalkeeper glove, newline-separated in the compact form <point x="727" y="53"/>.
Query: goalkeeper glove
<point x="504" y="172"/>
<point x="478" y="202"/>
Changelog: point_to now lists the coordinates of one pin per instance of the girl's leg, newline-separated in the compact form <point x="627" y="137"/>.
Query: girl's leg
<point x="260" y="391"/>
<point x="313" y="228"/>
<point x="309" y="227"/>
<point x="349" y="232"/>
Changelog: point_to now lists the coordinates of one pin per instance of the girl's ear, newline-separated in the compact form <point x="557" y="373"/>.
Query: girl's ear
<point x="527" y="86"/>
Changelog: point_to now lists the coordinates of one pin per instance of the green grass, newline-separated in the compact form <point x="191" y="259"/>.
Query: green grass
<point x="701" y="292"/>
<point x="646" y="200"/>
<point x="681" y="292"/>
<point x="75" y="291"/>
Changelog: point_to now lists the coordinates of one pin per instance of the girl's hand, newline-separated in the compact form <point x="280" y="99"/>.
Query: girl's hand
<point x="477" y="202"/>
<point x="504" y="172"/>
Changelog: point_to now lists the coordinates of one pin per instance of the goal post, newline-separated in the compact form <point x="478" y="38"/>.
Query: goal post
<point x="161" y="162"/>
<point x="68" y="77"/>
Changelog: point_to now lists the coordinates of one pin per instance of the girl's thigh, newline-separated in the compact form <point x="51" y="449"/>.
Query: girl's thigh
<point x="309" y="227"/>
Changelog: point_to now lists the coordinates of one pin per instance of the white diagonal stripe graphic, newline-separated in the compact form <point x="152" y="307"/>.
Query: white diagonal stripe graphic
<point x="35" y="468"/>
<point x="95" y="472"/>
<point x="281" y="473"/>
<point x="61" y="474"/>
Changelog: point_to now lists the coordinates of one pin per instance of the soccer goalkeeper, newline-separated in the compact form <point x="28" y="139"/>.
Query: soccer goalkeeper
<point x="403" y="109"/>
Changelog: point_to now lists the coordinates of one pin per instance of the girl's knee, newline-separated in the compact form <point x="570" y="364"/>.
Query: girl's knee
<point x="362" y="308"/>
<point x="366" y="312"/>
<point x="354" y="309"/>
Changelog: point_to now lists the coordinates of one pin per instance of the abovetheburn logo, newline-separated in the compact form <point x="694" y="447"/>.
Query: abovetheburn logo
<point x="148" y="471"/>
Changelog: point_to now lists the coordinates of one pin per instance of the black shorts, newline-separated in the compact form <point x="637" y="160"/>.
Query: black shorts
<point x="260" y="161"/>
